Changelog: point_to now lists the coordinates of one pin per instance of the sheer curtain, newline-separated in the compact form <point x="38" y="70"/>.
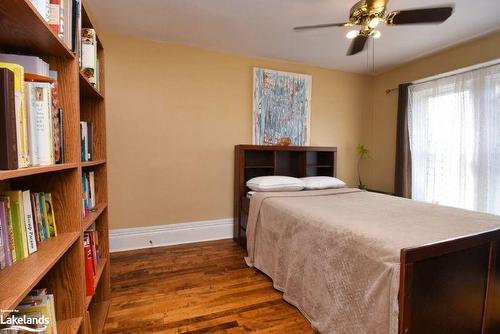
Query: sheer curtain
<point x="454" y="125"/>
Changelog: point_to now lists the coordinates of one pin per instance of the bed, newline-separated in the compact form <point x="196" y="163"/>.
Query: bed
<point x="359" y="262"/>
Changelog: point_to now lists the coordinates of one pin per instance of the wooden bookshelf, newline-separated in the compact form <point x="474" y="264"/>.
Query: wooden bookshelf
<point x="58" y="265"/>
<point x="26" y="273"/>
<point x="93" y="215"/>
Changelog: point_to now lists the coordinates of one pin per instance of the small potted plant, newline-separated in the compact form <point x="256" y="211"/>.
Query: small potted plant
<point x="363" y="153"/>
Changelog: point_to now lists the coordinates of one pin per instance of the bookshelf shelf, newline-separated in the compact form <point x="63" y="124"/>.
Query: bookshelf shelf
<point x="27" y="32"/>
<point x="93" y="215"/>
<point x="69" y="326"/>
<point x="26" y="273"/>
<point x="11" y="174"/>
<point x="99" y="271"/>
<point x="59" y="264"/>
<point x="93" y="163"/>
<point x="87" y="89"/>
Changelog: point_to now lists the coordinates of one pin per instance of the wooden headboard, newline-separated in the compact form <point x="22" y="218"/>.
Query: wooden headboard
<point x="256" y="160"/>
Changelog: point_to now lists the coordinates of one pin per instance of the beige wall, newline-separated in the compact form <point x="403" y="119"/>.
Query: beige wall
<point x="174" y="114"/>
<point x="380" y="120"/>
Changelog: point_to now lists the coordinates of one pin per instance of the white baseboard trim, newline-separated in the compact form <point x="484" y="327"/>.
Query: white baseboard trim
<point x="172" y="234"/>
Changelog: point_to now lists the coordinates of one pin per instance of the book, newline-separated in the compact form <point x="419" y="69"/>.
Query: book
<point x="39" y="110"/>
<point x="89" y="266"/>
<point x="92" y="235"/>
<point x="4" y="235"/>
<point x="28" y="222"/>
<point x="61" y="20"/>
<point x="17" y="215"/>
<point x="92" y="197"/>
<point x="54" y="16"/>
<point x="57" y="120"/>
<point x="89" y="54"/>
<point x="43" y="8"/>
<point x="59" y="139"/>
<point x="31" y="64"/>
<point x="88" y="143"/>
<point x="76" y="31"/>
<point x="86" y="133"/>
<point x="3" y="255"/>
<point x="43" y="215"/>
<point x="21" y="120"/>
<point x="36" y="218"/>
<point x="67" y="25"/>
<point x="40" y="307"/>
<point x="8" y="133"/>
<point x="8" y="217"/>
<point x="51" y="218"/>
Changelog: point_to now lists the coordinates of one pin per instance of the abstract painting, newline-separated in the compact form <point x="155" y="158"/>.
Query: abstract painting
<point x="281" y="107"/>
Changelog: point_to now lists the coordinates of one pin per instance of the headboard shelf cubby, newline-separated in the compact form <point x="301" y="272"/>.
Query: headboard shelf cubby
<point x="256" y="160"/>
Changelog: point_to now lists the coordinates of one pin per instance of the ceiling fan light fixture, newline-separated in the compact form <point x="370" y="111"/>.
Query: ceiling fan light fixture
<point x="376" y="34"/>
<point x="352" y="34"/>
<point x="374" y="22"/>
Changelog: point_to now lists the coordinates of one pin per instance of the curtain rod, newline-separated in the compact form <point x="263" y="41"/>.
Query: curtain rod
<point x="487" y="64"/>
<point x="459" y="71"/>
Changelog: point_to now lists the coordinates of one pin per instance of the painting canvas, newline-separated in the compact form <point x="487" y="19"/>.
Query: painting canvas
<point x="281" y="107"/>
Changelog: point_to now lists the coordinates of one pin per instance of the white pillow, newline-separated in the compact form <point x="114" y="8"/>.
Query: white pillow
<point x="322" y="182"/>
<point x="275" y="183"/>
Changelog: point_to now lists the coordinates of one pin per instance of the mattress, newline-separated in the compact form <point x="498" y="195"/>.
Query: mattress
<point x="335" y="253"/>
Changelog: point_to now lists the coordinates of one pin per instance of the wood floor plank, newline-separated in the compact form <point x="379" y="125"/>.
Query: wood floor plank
<point x="195" y="288"/>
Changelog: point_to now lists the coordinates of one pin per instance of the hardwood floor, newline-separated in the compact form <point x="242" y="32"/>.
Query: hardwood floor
<point x="195" y="288"/>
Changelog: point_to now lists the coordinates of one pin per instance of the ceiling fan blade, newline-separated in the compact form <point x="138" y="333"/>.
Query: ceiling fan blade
<point x="357" y="44"/>
<point x="326" y="25"/>
<point x="418" y="16"/>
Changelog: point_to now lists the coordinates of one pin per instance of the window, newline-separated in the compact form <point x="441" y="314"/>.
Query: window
<point x="454" y="127"/>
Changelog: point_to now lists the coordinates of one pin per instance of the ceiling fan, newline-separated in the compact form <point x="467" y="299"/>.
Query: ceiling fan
<point x="368" y="14"/>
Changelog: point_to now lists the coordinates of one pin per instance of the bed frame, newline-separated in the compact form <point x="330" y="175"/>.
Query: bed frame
<point x="448" y="287"/>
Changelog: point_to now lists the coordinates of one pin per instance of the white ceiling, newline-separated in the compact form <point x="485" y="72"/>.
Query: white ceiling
<point x="263" y="28"/>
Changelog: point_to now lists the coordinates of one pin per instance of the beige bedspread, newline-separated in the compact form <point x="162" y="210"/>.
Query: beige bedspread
<point x="335" y="253"/>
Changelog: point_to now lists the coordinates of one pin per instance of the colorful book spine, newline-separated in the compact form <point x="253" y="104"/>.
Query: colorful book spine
<point x="89" y="55"/>
<point x="54" y="16"/>
<point x="4" y="235"/>
<point x="21" y="119"/>
<point x="28" y="221"/>
<point x="8" y="133"/>
<point x="12" y="241"/>
<point x="89" y="267"/>
<point x="40" y="115"/>
<point x="36" y="218"/>
<point x="17" y="215"/>
<point x="51" y="218"/>
<point x="43" y="214"/>
<point x="43" y="7"/>
<point x="92" y="197"/>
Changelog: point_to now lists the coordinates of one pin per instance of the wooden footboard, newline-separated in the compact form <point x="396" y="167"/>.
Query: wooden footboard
<point x="451" y="286"/>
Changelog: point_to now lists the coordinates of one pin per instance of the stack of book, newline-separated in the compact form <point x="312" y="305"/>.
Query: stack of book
<point x="26" y="220"/>
<point x="92" y="258"/>
<point x="31" y="118"/>
<point x="86" y="131"/>
<point x="64" y="19"/>
<point x="88" y="191"/>
<point x="89" y="61"/>
<point x="36" y="311"/>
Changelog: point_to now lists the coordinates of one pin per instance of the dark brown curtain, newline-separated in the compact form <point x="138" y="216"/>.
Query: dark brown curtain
<point x="402" y="179"/>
